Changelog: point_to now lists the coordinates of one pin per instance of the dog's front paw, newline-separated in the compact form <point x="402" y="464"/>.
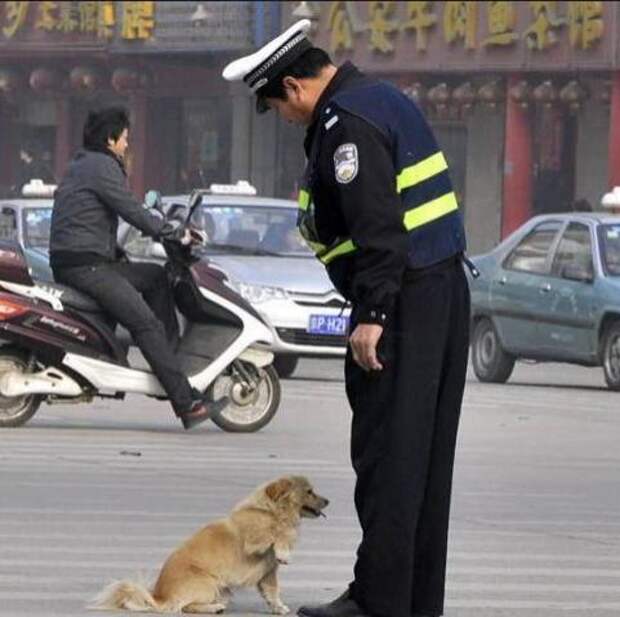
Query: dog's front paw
<point x="282" y="555"/>
<point x="279" y="608"/>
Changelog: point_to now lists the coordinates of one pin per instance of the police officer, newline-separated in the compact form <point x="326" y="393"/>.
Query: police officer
<point x="378" y="208"/>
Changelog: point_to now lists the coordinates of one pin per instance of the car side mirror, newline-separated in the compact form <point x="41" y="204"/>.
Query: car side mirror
<point x="158" y="250"/>
<point x="577" y="272"/>
<point x="152" y="199"/>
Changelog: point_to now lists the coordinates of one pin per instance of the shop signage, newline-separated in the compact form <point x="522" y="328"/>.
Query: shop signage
<point x="125" y="26"/>
<point x="394" y="36"/>
<point x="192" y="26"/>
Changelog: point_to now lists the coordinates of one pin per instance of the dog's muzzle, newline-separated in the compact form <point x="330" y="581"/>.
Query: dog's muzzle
<point x="315" y="510"/>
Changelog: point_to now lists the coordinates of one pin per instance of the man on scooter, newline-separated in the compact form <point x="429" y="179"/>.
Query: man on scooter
<point x="83" y="254"/>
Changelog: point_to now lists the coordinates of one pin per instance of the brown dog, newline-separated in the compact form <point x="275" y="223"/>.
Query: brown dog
<point x="242" y="550"/>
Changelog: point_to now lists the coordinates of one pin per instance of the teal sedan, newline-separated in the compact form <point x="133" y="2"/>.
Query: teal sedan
<point x="550" y="292"/>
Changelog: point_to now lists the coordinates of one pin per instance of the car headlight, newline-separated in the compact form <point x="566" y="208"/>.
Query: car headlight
<point x="255" y="294"/>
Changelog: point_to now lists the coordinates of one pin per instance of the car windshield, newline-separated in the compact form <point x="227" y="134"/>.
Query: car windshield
<point x="610" y="248"/>
<point x="37" y="223"/>
<point x="255" y="230"/>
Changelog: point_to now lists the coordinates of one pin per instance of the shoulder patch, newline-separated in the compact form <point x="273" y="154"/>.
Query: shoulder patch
<point x="346" y="163"/>
<point x="331" y="122"/>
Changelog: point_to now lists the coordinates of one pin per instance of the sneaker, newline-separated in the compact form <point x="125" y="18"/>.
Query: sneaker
<point x="201" y="411"/>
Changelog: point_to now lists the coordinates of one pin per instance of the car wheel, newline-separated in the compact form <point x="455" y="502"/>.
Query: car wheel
<point x="491" y="363"/>
<point x="611" y="356"/>
<point x="285" y="364"/>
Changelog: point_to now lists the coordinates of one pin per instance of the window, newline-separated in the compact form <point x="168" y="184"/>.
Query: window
<point x="252" y="229"/>
<point x="532" y="253"/>
<point x="37" y="223"/>
<point x="610" y="248"/>
<point x="575" y="248"/>
<point x="8" y="224"/>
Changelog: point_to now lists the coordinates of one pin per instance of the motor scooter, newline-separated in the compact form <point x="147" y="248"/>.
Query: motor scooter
<point x="57" y="345"/>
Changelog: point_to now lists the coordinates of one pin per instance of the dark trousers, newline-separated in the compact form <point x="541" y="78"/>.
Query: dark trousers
<point x="403" y="438"/>
<point x="139" y="297"/>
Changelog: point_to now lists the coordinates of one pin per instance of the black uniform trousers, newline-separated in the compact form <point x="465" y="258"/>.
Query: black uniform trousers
<point x="403" y="439"/>
<point x="139" y="297"/>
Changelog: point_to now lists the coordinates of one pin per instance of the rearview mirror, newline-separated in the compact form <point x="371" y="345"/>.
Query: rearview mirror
<point x="152" y="199"/>
<point x="577" y="272"/>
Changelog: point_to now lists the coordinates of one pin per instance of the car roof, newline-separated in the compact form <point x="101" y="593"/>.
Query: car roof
<point x="596" y="217"/>
<point x="35" y="202"/>
<point x="237" y="200"/>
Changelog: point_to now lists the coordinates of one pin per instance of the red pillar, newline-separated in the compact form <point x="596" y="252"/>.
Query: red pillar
<point x="64" y="131"/>
<point x="138" y="143"/>
<point x="518" y="183"/>
<point x="614" y="134"/>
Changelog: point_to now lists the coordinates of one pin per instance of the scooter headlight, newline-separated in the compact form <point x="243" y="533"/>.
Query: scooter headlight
<point x="256" y="294"/>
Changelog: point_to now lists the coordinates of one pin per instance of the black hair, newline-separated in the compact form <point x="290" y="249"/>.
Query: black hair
<point x="308" y="65"/>
<point x="582" y="205"/>
<point x="104" y="124"/>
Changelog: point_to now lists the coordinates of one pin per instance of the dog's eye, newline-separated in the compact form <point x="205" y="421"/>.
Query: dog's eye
<point x="309" y="491"/>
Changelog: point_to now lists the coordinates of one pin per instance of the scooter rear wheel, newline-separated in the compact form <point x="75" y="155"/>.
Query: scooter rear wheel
<point x="249" y="409"/>
<point x="16" y="410"/>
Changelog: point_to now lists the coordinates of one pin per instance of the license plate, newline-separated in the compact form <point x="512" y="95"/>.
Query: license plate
<point x="336" y="325"/>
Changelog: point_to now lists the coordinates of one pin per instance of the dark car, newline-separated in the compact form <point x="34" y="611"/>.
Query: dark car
<point x="550" y="292"/>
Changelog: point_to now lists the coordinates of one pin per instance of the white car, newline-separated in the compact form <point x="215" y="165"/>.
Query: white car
<point x="255" y="241"/>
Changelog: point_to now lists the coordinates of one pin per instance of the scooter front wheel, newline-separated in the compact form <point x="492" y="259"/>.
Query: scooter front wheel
<point x="254" y="395"/>
<point x="16" y="410"/>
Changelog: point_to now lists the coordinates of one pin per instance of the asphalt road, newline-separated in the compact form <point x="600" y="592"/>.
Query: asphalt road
<point x="91" y="494"/>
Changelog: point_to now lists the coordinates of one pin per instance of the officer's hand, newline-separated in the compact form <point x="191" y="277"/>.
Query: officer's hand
<point x="364" y="342"/>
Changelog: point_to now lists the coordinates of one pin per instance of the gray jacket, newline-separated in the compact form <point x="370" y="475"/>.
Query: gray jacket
<point x="91" y="196"/>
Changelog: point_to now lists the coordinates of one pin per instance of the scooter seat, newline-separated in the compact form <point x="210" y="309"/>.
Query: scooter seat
<point x="72" y="297"/>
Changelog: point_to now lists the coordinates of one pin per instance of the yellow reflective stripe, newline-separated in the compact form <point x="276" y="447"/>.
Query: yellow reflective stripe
<point x="342" y="249"/>
<point x="317" y="247"/>
<point x="414" y="174"/>
<point x="430" y="211"/>
<point x="303" y="199"/>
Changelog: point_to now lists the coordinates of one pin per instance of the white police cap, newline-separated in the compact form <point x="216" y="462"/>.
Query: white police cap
<point x="258" y="68"/>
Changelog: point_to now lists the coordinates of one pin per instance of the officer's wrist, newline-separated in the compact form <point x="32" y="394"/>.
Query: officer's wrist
<point x="373" y="315"/>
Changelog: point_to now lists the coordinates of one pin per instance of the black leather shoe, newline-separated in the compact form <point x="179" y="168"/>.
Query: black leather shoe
<point x="343" y="606"/>
<point x="201" y="411"/>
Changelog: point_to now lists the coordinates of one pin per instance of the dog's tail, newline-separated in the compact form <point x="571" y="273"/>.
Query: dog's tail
<point x="128" y="595"/>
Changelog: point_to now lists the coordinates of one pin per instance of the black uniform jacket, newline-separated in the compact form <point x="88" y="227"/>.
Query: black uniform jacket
<point x="366" y="209"/>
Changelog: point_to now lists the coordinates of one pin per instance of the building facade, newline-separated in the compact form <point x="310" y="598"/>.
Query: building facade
<point x="161" y="60"/>
<point x="524" y="96"/>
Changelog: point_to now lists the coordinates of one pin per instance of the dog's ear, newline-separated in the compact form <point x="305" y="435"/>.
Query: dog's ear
<point x="277" y="489"/>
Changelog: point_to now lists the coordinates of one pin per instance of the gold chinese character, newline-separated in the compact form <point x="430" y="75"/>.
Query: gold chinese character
<point x="138" y="20"/>
<point x="459" y="22"/>
<point x="419" y="19"/>
<point x="88" y="16"/>
<point x="541" y="35"/>
<point x="106" y="19"/>
<point x="46" y="19"/>
<point x="502" y="18"/>
<point x="380" y="26"/>
<point x="585" y="23"/>
<point x="15" y="13"/>
<point x="66" y="19"/>
<point x="341" y="26"/>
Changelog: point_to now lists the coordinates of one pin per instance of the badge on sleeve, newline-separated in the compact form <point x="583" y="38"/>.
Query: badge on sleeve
<point x="346" y="163"/>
